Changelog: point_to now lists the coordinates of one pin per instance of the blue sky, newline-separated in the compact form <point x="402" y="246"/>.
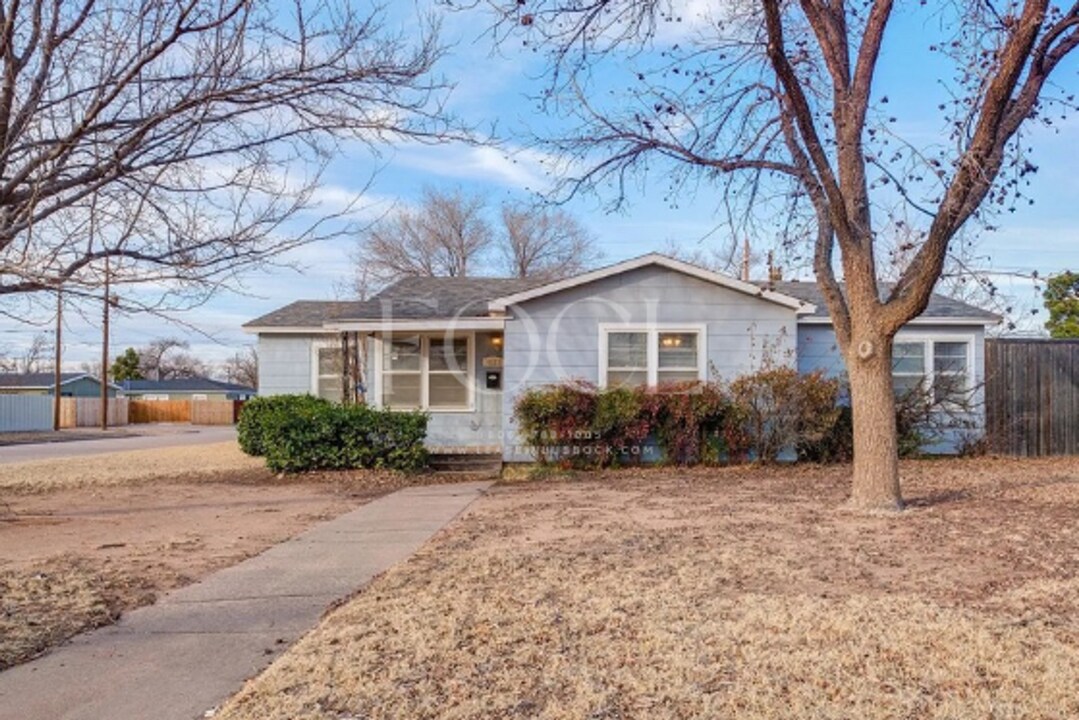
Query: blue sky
<point x="496" y="85"/>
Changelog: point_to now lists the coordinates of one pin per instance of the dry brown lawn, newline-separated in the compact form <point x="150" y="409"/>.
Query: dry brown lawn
<point x="191" y="463"/>
<point x="84" y="539"/>
<point x="738" y="593"/>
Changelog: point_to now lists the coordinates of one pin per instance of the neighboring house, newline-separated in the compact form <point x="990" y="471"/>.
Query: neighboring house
<point x="186" y="389"/>
<point x="463" y="349"/>
<point x="71" y="384"/>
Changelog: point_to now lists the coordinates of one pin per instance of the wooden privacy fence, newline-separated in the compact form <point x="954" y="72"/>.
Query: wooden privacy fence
<point x="160" y="411"/>
<point x="196" y="412"/>
<point x="1032" y="396"/>
<point x="86" y="412"/>
<point x="214" y="412"/>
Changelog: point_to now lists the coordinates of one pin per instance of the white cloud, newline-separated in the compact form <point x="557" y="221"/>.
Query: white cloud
<point x="519" y="168"/>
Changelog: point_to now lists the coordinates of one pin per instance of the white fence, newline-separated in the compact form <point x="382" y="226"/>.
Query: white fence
<point x="25" y="413"/>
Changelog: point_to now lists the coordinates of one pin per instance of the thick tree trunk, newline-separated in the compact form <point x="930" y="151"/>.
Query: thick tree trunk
<point x="876" y="458"/>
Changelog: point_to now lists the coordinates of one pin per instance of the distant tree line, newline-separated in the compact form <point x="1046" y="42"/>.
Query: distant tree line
<point x="169" y="359"/>
<point x="449" y="233"/>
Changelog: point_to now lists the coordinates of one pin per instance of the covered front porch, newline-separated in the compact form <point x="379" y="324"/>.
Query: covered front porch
<point x="450" y="369"/>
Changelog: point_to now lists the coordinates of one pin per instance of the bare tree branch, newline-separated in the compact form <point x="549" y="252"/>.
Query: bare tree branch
<point x="198" y="129"/>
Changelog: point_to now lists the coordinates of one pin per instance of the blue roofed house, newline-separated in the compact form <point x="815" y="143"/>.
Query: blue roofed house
<point x="196" y="388"/>
<point x="72" y="384"/>
<point x="463" y="349"/>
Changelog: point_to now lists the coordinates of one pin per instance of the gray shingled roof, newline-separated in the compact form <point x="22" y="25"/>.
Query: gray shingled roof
<point x="184" y="385"/>
<point x="305" y="314"/>
<point x="414" y="298"/>
<point x="423" y="298"/>
<point x="940" y="306"/>
<point x="39" y="380"/>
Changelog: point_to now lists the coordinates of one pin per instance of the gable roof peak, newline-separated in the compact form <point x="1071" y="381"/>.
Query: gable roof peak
<point x="659" y="260"/>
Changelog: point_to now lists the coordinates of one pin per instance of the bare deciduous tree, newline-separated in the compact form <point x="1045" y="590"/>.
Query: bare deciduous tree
<point x="35" y="357"/>
<point x="443" y="236"/>
<point x="544" y="243"/>
<point x="178" y="137"/>
<point x="778" y="99"/>
<point x="243" y="368"/>
<point x="167" y="359"/>
<point x="448" y="235"/>
<point x="720" y="260"/>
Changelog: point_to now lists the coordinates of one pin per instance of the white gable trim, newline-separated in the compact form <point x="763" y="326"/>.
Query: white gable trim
<point x="799" y="306"/>
<point x="285" y="330"/>
<point x="920" y="320"/>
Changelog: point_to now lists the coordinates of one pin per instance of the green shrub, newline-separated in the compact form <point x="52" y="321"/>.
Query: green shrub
<point x="250" y="430"/>
<point x="318" y="436"/>
<point x="620" y="426"/>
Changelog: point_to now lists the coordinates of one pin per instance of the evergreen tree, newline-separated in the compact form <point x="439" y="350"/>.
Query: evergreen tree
<point x="126" y="366"/>
<point x="1062" y="301"/>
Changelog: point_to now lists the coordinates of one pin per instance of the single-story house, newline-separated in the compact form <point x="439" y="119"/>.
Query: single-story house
<point x="186" y="389"/>
<point x="72" y="384"/>
<point x="463" y="349"/>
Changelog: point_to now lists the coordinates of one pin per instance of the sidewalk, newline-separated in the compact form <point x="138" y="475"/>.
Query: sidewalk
<point x="187" y="653"/>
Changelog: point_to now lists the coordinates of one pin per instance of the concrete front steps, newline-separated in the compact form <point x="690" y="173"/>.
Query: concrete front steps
<point x="470" y="461"/>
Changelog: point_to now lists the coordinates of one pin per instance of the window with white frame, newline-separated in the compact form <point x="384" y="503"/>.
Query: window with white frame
<point x="678" y="357"/>
<point x="426" y="372"/>
<point x="627" y="359"/>
<point x="634" y="356"/>
<point x="942" y="365"/>
<point x="328" y="372"/>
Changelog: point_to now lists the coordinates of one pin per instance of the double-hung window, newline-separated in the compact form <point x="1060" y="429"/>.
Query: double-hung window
<point x="635" y="356"/>
<point x="426" y="372"/>
<point x="939" y="367"/>
<point x="328" y="373"/>
<point x="627" y="359"/>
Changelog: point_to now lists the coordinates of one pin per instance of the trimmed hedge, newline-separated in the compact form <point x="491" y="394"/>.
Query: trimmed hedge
<point x="296" y="433"/>
<point x="257" y="412"/>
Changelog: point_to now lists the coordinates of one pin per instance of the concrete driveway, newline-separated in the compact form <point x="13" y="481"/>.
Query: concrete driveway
<point x="132" y="437"/>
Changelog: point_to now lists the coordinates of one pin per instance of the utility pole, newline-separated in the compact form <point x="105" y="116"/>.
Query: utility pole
<point x="745" y="259"/>
<point x="59" y="354"/>
<point x="105" y="352"/>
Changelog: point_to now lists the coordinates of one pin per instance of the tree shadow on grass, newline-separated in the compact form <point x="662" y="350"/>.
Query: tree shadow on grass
<point x="939" y="497"/>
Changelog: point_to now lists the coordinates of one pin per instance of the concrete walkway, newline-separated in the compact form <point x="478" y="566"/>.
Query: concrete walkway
<point x="193" y="649"/>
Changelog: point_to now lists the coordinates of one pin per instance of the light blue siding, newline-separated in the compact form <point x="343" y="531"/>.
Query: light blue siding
<point x="285" y="363"/>
<point x="481" y="429"/>
<point x="556" y="337"/>
<point x="285" y="367"/>
<point x="818" y="350"/>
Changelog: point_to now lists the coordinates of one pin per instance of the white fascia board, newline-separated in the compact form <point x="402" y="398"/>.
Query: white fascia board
<point x="433" y="325"/>
<point x="801" y="307"/>
<point x="285" y="330"/>
<point x="920" y="320"/>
